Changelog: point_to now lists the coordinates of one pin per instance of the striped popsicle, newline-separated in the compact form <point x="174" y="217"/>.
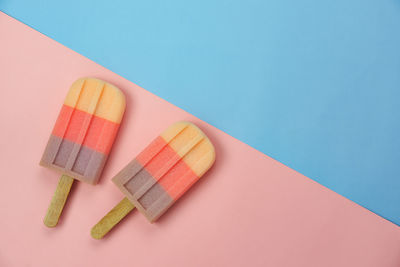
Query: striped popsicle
<point x="161" y="174"/>
<point x="82" y="137"/>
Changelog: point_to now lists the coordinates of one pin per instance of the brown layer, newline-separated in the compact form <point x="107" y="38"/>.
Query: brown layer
<point x="133" y="181"/>
<point x="77" y="161"/>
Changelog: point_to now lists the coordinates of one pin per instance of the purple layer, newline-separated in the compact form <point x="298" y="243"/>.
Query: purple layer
<point x="151" y="201"/>
<point x="77" y="161"/>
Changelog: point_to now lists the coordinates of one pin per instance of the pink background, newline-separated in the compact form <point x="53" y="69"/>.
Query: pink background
<point x="249" y="210"/>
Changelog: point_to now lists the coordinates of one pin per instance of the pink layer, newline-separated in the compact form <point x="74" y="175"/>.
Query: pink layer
<point x="167" y="168"/>
<point x="83" y="128"/>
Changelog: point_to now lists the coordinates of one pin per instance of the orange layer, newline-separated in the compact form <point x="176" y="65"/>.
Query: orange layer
<point x="151" y="150"/>
<point x="86" y="129"/>
<point x="167" y="167"/>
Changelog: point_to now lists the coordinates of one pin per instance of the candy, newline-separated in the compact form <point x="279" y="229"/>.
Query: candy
<point x="85" y="130"/>
<point x="162" y="173"/>
<point x="82" y="136"/>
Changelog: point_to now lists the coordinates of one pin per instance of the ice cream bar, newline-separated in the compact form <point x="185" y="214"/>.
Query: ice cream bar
<point x="161" y="174"/>
<point x="166" y="169"/>
<point x="82" y="137"/>
<point x="85" y="130"/>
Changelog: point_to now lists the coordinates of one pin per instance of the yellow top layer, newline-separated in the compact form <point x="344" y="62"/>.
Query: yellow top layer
<point x="97" y="97"/>
<point x="192" y="144"/>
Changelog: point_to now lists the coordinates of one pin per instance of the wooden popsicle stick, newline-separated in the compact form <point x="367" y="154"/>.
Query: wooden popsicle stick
<point x="112" y="218"/>
<point x="58" y="201"/>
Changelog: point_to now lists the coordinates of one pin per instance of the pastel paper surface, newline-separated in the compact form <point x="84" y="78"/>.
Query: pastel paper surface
<point x="85" y="129"/>
<point x="166" y="169"/>
<point x="248" y="210"/>
<point x="314" y="84"/>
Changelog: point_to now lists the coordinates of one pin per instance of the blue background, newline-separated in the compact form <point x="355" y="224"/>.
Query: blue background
<point x="314" y="84"/>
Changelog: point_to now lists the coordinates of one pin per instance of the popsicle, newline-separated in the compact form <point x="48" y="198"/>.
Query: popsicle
<point x="82" y="137"/>
<point x="160" y="174"/>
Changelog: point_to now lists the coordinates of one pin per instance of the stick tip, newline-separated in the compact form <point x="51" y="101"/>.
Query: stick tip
<point x="50" y="223"/>
<point x="96" y="233"/>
